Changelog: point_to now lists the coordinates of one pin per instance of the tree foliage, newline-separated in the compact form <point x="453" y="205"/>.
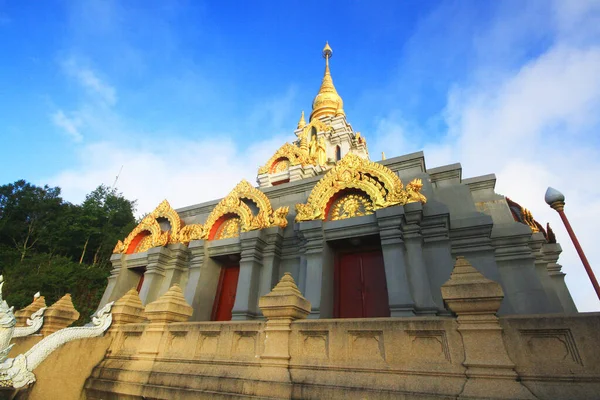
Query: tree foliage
<point x="55" y="247"/>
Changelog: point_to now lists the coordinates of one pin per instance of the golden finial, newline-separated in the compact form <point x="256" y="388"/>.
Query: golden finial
<point x="382" y="155"/>
<point x="302" y="122"/>
<point x="327" y="52"/>
<point x="327" y="102"/>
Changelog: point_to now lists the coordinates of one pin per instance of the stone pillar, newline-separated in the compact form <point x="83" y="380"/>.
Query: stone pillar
<point x="312" y="233"/>
<point x="127" y="310"/>
<point x="516" y="265"/>
<point x="25" y="313"/>
<point x="175" y="266"/>
<point x="551" y="252"/>
<point x="246" y="297"/>
<point x="170" y="307"/>
<point x="193" y="288"/>
<point x="59" y="315"/>
<point x="476" y="301"/>
<point x="111" y="287"/>
<point x="270" y="261"/>
<point x="417" y="270"/>
<point x="470" y="236"/>
<point x="281" y="307"/>
<point x="394" y="260"/>
<point x="535" y="243"/>
<point x="155" y="272"/>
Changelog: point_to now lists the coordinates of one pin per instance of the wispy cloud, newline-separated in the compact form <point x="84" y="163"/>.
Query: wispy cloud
<point x="68" y="125"/>
<point x="183" y="171"/>
<point x="90" y="81"/>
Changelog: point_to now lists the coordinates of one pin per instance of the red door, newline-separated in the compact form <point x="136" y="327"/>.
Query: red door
<point x="225" y="297"/>
<point x="361" y="286"/>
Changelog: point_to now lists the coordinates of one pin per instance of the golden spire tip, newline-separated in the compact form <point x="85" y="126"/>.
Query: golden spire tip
<point x="327" y="52"/>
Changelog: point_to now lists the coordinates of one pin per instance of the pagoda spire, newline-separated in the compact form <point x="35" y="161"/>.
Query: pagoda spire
<point x="302" y="122"/>
<point x="327" y="102"/>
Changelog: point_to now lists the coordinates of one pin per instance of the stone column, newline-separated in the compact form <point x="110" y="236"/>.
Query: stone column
<point x="417" y="270"/>
<point x="551" y="252"/>
<point x="155" y="272"/>
<point x="175" y="266"/>
<point x="281" y="307"/>
<point x="270" y="259"/>
<point x="476" y="301"/>
<point x="246" y="297"/>
<point x="127" y="310"/>
<point x="170" y="307"/>
<point x="59" y="315"/>
<point x="516" y="265"/>
<point x="193" y="287"/>
<point x="22" y="315"/>
<point x="394" y="260"/>
<point x="111" y="287"/>
<point x="312" y="233"/>
<point x="470" y="237"/>
<point x="535" y="243"/>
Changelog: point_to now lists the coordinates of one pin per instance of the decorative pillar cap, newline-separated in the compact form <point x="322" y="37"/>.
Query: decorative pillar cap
<point x="469" y="292"/>
<point x="170" y="307"/>
<point x="128" y="309"/>
<point x="37" y="303"/>
<point x="63" y="307"/>
<point x="284" y="301"/>
<point x="59" y="315"/>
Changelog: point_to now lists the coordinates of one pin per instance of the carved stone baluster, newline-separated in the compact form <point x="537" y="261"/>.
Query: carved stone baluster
<point x="476" y="300"/>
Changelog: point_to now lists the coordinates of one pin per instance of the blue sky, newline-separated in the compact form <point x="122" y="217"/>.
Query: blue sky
<point x="189" y="97"/>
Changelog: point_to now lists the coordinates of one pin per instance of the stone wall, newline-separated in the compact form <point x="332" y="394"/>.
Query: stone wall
<point x="555" y="358"/>
<point x="471" y="355"/>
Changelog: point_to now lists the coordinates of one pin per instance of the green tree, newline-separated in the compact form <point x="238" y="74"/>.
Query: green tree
<point x="55" y="247"/>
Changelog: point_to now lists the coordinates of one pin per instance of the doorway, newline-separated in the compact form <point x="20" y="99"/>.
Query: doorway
<point x="360" y="285"/>
<point x="226" y="290"/>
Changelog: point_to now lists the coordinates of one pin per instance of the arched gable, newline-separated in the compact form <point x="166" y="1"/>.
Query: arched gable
<point x="155" y="236"/>
<point x="379" y="183"/>
<point x="233" y="204"/>
<point x="294" y="154"/>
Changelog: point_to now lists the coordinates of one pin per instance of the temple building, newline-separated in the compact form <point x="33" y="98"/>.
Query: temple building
<point x="337" y="277"/>
<point x="361" y="238"/>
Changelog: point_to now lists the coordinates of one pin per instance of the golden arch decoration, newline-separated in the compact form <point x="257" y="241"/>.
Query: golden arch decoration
<point x="156" y="237"/>
<point x="378" y="182"/>
<point x="294" y="154"/>
<point x="233" y="204"/>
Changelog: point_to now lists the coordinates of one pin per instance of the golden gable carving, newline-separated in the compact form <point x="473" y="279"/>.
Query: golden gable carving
<point x="156" y="237"/>
<point x="381" y="184"/>
<point x="294" y="154"/>
<point x="233" y="204"/>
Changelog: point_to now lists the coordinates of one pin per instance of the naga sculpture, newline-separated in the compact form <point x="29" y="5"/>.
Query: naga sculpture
<point x="7" y="325"/>
<point x="34" y="323"/>
<point x="18" y="372"/>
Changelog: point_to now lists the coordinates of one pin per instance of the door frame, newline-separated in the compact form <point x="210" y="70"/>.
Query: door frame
<point x="337" y="271"/>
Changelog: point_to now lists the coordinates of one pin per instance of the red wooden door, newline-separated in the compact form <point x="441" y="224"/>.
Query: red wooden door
<point x="362" y="289"/>
<point x="225" y="297"/>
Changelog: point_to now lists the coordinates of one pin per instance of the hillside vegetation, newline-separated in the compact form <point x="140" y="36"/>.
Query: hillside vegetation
<point x="55" y="247"/>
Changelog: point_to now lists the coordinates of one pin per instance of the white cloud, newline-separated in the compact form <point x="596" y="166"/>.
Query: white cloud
<point x="185" y="172"/>
<point x="69" y="125"/>
<point x="536" y="128"/>
<point x="90" y="81"/>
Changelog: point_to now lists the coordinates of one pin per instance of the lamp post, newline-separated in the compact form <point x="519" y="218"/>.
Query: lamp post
<point x="556" y="200"/>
